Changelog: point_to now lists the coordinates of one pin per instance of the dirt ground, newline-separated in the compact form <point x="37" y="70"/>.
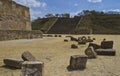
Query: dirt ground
<point x="55" y="53"/>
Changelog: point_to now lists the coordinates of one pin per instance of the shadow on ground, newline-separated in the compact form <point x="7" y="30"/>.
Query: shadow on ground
<point x="69" y="69"/>
<point x="8" y="67"/>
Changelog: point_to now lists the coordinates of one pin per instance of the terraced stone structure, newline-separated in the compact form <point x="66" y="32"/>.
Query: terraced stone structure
<point x="14" y="16"/>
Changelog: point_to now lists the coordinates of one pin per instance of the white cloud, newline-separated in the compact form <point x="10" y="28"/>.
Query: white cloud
<point x="35" y="14"/>
<point x="76" y="4"/>
<point x="31" y="3"/>
<point x="75" y="13"/>
<point x="34" y="5"/>
<point x="114" y="10"/>
<point x="94" y="1"/>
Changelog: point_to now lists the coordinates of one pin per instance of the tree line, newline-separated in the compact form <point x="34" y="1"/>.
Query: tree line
<point x="82" y="13"/>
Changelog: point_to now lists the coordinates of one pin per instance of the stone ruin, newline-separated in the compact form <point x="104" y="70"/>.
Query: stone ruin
<point x="27" y="56"/>
<point x="78" y="62"/>
<point x="74" y="46"/>
<point x="15" y="22"/>
<point x="12" y="62"/>
<point x="32" y="68"/>
<point x="106" y="48"/>
<point x="90" y="52"/>
<point x="14" y="16"/>
<point x="29" y="65"/>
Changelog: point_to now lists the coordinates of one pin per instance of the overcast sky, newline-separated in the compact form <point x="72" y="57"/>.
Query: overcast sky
<point x="38" y="8"/>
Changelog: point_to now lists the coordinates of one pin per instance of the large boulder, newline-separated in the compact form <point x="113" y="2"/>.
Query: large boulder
<point x="11" y="62"/>
<point x="90" y="52"/>
<point x="27" y="56"/>
<point x="107" y="44"/>
<point x="32" y="68"/>
<point x="78" y="62"/>
<point x="109" y="52"/>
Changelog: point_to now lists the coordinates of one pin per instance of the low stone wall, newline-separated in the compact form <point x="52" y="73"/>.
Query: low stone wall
<point x="19" y="34"/>
<point x="107" y="32"/>
<point x="82" y="31"/>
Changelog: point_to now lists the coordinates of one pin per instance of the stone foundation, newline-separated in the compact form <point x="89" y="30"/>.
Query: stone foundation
<point x="19" y="34"/>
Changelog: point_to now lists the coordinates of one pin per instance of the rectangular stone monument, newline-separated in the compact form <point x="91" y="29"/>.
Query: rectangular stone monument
<point x="32" y="68"/>
<point x="107" y="44"/>
<point x="11" y="62"/>
<point x="109" y="52"/>
<point x="78" y="62"/>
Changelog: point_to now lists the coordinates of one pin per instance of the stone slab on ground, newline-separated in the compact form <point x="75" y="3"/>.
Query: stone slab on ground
<point x="78" y="62"/>
<point x="27" y="56"/>
<point x="32" y="68"/>
<point x="11" y="62"/>
<point x="108" y="52"/>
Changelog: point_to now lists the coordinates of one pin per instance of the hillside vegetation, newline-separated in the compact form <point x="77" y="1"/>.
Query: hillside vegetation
<point x="92" y="23"/>
<point x="43" y="24"/>
<point x="106" y="23"/>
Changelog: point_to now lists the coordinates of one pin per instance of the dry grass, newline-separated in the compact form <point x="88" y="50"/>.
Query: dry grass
<point x="55" y="53"/>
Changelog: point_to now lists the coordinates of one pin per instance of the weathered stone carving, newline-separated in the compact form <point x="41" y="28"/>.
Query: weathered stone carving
<point x="78" y="62"/>
<point x="32" y="68"/>
<point x="107" y="44"/>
